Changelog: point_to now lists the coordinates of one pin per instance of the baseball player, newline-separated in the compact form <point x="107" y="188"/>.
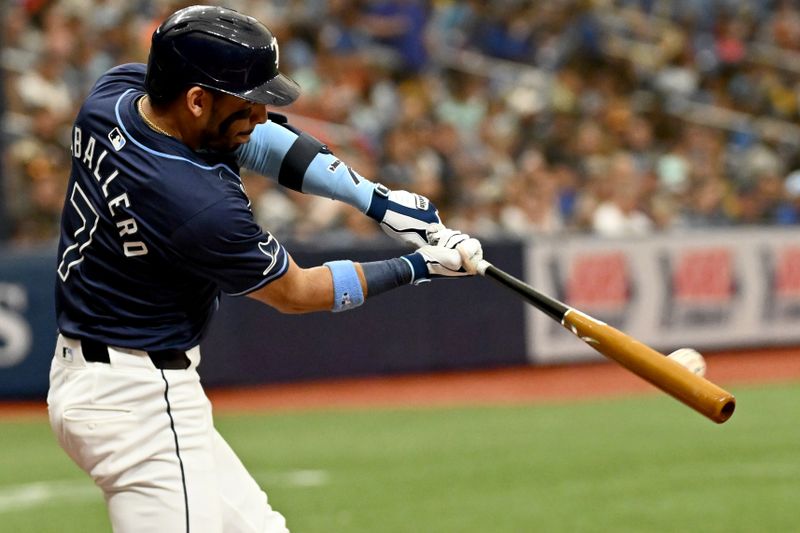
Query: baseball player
<point x="155" y="225"/>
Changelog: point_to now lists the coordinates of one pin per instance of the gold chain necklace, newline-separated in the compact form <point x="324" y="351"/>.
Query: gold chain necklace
<point x="147" y="120"/>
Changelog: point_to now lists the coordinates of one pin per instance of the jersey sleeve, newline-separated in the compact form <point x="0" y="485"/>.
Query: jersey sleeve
<point x="224" y="244"/>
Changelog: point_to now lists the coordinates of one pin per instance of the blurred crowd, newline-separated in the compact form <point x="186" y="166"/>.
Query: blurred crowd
<point x="517" y="118"/>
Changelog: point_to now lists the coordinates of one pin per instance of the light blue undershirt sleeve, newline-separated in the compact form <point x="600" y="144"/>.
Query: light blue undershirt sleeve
<point x="264" y="153"/>
<point x="326" y="176"/>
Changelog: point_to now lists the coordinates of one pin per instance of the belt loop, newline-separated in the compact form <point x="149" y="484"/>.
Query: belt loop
<point x="170" y="359"/>
<point x="94" y="351"/>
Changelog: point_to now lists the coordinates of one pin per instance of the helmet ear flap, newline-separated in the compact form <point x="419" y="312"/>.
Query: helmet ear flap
<point x="163" y="81"/>
<point x="155" y="83"/>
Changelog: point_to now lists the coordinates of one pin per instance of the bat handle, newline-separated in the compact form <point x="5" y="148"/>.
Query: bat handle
<point x="554" y="308"/>
<point x="482" y="266"/>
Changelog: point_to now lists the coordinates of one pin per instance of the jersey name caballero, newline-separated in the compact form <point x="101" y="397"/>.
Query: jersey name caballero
<point x="151" y="230"/>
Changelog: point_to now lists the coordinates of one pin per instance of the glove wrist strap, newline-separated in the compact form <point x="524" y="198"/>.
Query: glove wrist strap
<point x="379" y="204"/>
<point x="419" y="269"/>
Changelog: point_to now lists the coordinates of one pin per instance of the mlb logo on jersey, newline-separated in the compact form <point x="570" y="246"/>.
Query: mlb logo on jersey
<point x="116" y="138"/>
<point x="66" y="354"/>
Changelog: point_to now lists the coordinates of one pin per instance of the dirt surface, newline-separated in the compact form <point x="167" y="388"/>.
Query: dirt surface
<point x="503" y="386"/>
<point x="490" y="387"/>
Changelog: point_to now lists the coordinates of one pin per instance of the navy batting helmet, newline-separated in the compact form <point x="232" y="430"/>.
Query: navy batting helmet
<point x="221" y="49"/>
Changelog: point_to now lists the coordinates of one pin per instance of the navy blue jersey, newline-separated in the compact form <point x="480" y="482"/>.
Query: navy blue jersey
<point x="151" y="231"/>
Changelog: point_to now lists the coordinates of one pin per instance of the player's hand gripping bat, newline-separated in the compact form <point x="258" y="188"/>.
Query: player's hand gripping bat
<point x="666" y="374"/>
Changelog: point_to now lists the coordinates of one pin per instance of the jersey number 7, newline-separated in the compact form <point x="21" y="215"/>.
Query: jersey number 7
<point x="73" y="254"/>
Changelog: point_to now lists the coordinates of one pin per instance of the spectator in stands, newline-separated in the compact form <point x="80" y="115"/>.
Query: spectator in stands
<point x="788" y="210"/>
<point x="621" y="215"/>
<point x="42" y="185"/>
<point x="399" y="25"/>
<point x="533" y="206"/>
<point x="44" y="87"/>
<point x="709" y="204"/>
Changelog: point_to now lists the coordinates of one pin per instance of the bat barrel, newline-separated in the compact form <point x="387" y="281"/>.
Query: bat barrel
<point x="695" y="391"/>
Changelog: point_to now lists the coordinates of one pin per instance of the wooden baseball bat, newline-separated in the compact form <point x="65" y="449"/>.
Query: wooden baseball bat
<point x="697" y="392"/>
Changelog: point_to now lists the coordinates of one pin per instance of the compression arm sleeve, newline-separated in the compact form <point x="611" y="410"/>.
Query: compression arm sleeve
<point x="299" y="161"/>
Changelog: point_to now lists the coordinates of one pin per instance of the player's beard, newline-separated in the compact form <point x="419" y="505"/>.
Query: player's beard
<point x="217" y="137"/>
<point x="212" y="140"/>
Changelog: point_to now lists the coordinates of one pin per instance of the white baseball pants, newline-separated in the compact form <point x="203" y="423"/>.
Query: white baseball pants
<point x="147" y="439"/>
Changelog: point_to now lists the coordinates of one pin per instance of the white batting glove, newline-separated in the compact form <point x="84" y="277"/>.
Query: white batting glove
<point x="471" y="254"/>
<point x="444" y="256"/>
<point x="404" y="216"/>
<point x="439" y="235"/>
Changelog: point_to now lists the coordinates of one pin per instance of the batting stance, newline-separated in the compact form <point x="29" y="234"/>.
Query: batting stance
<point x="156" y="224"/>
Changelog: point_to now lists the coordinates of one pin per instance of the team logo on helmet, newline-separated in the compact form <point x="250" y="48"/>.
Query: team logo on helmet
<point x="273" y="45"/>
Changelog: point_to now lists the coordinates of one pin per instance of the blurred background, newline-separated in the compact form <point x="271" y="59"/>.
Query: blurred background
<point x="615" y="118"/>
<point x="638" y="159"/>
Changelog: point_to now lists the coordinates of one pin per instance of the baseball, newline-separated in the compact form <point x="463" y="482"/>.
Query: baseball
<point x="690" y="359"/>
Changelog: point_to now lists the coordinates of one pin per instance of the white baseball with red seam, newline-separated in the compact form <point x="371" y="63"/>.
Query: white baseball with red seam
<point x="690" y="359"/>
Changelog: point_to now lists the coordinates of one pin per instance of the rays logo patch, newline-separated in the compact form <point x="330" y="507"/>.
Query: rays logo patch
<point x="270" y="248"/>
<point x="249" y="203"/>
<point x="116" y="138"/>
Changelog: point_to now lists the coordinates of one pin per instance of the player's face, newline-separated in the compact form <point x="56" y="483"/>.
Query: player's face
<point x="232" y="121"/>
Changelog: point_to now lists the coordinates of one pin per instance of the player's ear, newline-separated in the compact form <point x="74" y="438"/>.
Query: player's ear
<point x="198" y="100"/>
